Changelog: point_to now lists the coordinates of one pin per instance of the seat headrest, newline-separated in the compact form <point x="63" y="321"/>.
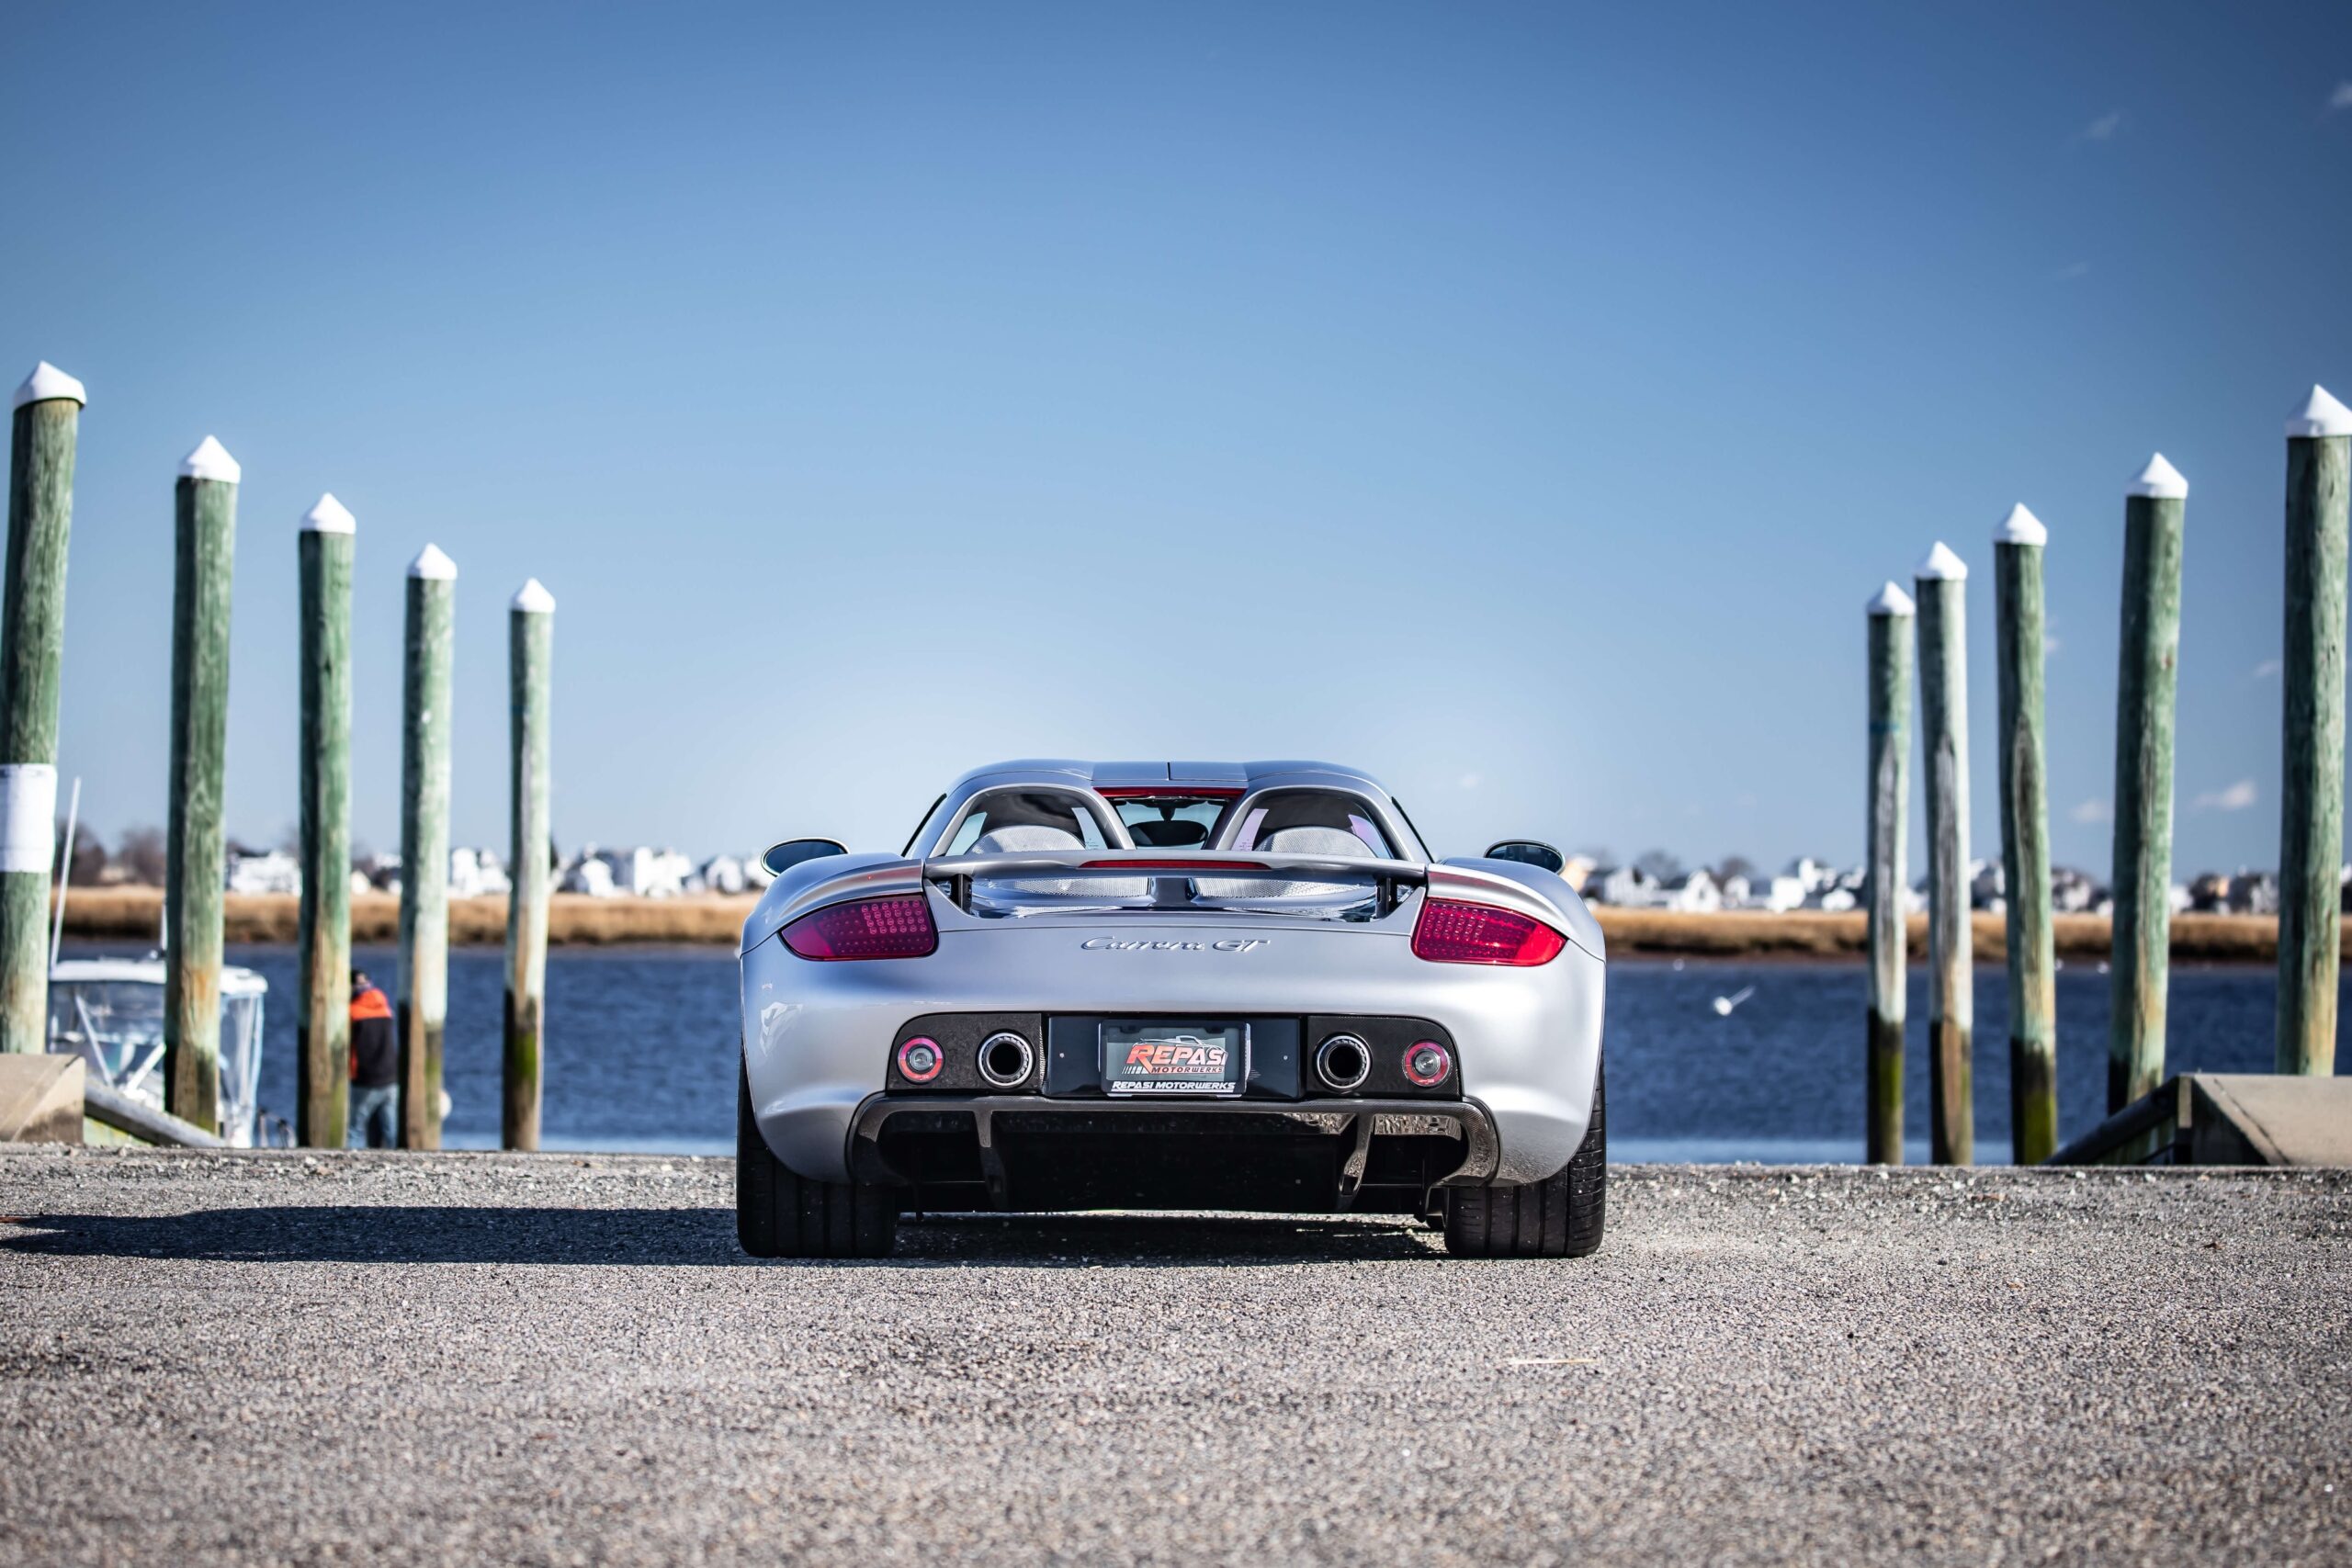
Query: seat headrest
<point x="1335" y="842"/>
<point x="1025" y="836"/>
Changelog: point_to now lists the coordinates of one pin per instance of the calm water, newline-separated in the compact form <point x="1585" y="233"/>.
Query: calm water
<point x="640" y="1051"/>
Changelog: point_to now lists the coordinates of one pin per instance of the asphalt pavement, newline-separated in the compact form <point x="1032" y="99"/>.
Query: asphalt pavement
<point x="562" y="1359"/>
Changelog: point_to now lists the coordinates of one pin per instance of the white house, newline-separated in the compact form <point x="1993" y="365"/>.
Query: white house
<point x="723" y="874"/>
<point x="1693" y="893"/>
<point x="591" y="875"/>
<point x="477" y="874"/>
<point x="1628" y="886"/>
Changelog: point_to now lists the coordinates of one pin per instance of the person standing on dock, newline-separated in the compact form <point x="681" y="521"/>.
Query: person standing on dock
<point x="375" y="1068"/>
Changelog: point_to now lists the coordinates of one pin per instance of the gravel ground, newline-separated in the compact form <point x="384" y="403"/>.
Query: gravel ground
<point x="562" y="1359"/>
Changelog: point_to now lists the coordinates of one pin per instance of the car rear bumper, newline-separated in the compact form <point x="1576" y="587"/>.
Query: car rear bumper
<point x="1020" y="1151"/>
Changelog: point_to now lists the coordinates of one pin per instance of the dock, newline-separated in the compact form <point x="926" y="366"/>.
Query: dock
<point x="303" y="1354"/>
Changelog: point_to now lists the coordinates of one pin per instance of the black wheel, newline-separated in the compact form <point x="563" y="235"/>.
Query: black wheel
<point x="1560" y="1217"/>
<point x="778" y="1215"/>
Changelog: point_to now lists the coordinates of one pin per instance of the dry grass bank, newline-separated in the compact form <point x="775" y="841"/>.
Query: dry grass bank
<point x="131" y="914"/>
<point x="1810" y="933"/>
<point x="134" y="914"/>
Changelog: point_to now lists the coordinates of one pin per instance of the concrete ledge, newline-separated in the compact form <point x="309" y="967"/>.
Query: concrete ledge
<point x="40" y="1100"/>
<point x="2225" y="1118"/>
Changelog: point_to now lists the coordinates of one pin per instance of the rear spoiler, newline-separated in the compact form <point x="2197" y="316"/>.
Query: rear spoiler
<point x="1174" y="871"/>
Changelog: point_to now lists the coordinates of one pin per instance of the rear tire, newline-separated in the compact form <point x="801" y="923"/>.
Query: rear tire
<point x="779" y="1214"/>
<point x="1562" y="1216"/>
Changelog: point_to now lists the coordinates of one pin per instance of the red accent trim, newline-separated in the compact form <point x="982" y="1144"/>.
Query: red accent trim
<point x="1227" y="865"/>
<point x="1170" y="792"/>
<point x="1451" y="933"/>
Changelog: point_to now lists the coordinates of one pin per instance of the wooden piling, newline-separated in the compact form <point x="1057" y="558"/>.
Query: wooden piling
<point x="2018" y="617"/>
<point x="204" y="506"/>
<point x="1941" y="584"/>
<point x="530" y="631"/>
<point x="323" y="992"/>
<point x="43" y="431"/>
<point x="2310" y="807"/>
<point x="1890" y="613"/>
<point x="2139" y="971"/>
<point x="424" y="842"/>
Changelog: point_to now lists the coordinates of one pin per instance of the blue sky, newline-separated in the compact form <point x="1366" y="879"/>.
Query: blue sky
<point x="1517" y="401"/>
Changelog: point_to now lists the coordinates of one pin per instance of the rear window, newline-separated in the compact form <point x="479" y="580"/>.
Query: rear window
<point x="1312" y="822"/>
<point x="1004" y="821"/>
<point x="1177" y="819"/>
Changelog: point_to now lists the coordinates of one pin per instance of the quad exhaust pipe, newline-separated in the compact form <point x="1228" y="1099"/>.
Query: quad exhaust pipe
<point x="1006" y="1059"/>
<point x="1343" y="1062"/>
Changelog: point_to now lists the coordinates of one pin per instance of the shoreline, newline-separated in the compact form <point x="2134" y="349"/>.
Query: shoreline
<point x="578" y="920"/>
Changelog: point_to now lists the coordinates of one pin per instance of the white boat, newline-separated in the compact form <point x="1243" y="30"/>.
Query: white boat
<point x="109" y="1013"/>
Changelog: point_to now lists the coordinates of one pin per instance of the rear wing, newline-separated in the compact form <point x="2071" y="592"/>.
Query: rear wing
<point x="1173" y="873"/>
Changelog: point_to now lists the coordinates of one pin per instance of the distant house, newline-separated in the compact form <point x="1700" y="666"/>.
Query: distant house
<point x="1694" y="892"/>
<point x="591" y="875"/>
<point x="723" y="874"/>
<point x="2074" y="893"/>
<point x="1575" y="870"/>
<point x="477" y="874"/>
<point x="2254" y="892"/>
<point x="273" y="871"/>
<point x="1987" y="886"/>
<point x="1835" y="900"/>
<point x="2208" y="893"/>
<point x="1627" y="887"/>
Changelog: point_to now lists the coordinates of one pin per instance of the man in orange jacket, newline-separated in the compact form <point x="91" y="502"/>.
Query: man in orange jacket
<point x="375" y="1068"/>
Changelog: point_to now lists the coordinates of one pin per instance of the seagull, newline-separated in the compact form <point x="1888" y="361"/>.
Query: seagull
<point x="1725" y="1004"/>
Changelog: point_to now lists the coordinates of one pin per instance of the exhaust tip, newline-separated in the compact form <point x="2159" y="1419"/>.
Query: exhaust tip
<point x="1006" y="1059"/>
<point x="1343" y="1062"/>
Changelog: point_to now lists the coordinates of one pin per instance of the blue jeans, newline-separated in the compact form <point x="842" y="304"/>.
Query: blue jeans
<point x="375" y="1117"/>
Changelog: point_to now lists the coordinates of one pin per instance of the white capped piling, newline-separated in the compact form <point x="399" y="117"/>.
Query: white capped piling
<point x="530" y="649"/>
<point x="429" y="640"/>
<point x="1940" y="585"/>
<point x="323" y="992"/>
<point x="2311" y="797"/>
<point x="2019" y="620"/>
<point x="204" y="542"/>
<point x="2140" y="968"/>
<point x="44" y="427"/>
<point x="1890" y="613"/>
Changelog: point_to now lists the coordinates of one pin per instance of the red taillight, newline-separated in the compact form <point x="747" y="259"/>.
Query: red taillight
<point x="871" y="927"/>
<point x="1478" y="933"/>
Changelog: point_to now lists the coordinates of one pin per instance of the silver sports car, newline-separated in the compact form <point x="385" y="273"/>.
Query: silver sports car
<point x="1170" y="986"/>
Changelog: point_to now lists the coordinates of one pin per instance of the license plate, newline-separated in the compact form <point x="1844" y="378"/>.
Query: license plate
<point x="1175" y="1058"/>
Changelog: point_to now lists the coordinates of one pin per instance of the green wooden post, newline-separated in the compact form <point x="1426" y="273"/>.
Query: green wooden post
<point x="47" y="418"/>
<point x="2140" y="970"/>
<point x="1890" y="614"/>
<point x="424" y="842"/>
<point x="1941" y="584"/>
<point x="530" y="648"/>
<point x="2311" y="807"/>
<point x="204" y="506"/>
<point x="322" y="998"/>
<point x="2018" y="544"/>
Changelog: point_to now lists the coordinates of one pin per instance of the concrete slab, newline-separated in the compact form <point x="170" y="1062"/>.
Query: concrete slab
<point x="40" y="1100"/>
<point x="2226" y="1118"/>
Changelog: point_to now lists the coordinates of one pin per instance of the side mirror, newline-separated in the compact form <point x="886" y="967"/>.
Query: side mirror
<point x="1528" y="852"/>
<point x="783" y="857"/>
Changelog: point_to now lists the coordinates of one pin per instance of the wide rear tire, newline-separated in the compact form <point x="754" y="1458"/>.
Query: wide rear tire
<point x="1561" y="1217"/>
<point x="779" y="1214"/>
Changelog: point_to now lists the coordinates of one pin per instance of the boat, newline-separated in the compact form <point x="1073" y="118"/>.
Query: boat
<point x="109" y="1013"/>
